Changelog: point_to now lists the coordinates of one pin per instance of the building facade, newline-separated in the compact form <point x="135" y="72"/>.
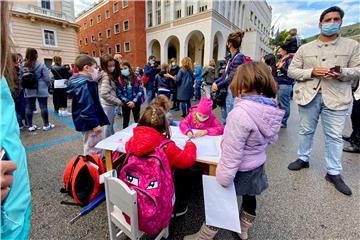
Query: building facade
<point x="199" y="28"/>
<point x="111" y="27"/>
<point x="46" y="25"/>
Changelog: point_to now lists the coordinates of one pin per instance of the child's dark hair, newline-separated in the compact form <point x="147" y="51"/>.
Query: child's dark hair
<point x="235" y="39"/>
<point x="253" y="76"/>
<point x="82" y="60"/>
<point x="155" y="117"/>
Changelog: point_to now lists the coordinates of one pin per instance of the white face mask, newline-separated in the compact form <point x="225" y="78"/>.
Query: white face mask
<point x="201" y="119"/>
<point x="94" y="73"/>
<point x="111" y="69"/>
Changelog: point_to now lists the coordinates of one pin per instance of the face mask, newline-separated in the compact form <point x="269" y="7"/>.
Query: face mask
<point x="329" y="29"/>
<point x="94" y="73"/>
<point x="152" y="61"/>
<point x="111" y="69"/>
<point x="173" y="64"/>
<point x="202" y="119"/>
<point x="125" y="72"/>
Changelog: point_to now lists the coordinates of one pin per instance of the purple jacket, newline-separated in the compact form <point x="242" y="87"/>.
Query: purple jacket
<point x="250" y="128"/>
<point x="233" y="61"/>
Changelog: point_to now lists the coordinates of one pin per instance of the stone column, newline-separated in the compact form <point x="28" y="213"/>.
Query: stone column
<point x="236" y="18"/>
<point x="172" y="11"/>
<point x="153" y="11"/>
<point x="209" y="47"/>
<point x="146" y="14"/>
<point x="183" y="8"/>
<point x="196" y="5"/>
<point x="232" y="6"/>
<point x="226" y="9"/>
<point x="162" y="9"/>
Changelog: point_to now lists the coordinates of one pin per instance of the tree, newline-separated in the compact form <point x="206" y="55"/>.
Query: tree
<point x="282" y="36"/>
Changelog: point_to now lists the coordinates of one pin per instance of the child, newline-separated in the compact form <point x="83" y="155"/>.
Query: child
<point x="201" y="117"/>
<point x="163" y="102"/>
<point x="87" y="112"/>
<point x="162" y="83"/>
<point x="131" y="93"/>
<point x="151" y="130"/>
<point x="251" y="126"/>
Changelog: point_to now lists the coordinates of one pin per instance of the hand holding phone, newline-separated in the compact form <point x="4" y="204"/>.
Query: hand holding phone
<point x="335" y="69"/>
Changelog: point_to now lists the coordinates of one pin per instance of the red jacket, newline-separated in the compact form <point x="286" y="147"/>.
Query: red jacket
<point x="146" y="139"/>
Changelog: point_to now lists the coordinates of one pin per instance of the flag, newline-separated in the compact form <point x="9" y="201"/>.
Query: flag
<point x="277" y="34"/>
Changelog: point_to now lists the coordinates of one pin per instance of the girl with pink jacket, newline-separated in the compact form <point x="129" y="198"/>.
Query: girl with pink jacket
<point x="201" y="117"/>
<point x="251" y="126"/>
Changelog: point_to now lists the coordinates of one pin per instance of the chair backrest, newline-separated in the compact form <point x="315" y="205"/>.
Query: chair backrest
<point x="120" y="200"/>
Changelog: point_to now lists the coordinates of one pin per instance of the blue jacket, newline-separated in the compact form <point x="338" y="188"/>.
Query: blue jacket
<point x="163" y="82"/>
<point x="233" y="61"/>
<point x="184" y="81"/>
<point x="87" y="112"/>
<point x="198" y="73"/>
<point x="16" y="208"/>
<point x="133" y="92"/>
<point x="282" y="77"/>
<point x="150" y="72"/>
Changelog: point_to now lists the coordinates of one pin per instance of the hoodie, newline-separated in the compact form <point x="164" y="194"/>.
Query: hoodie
<point x="87" y="112"/>
<point x="146" y="139"/>
<point x="250" y="127"/>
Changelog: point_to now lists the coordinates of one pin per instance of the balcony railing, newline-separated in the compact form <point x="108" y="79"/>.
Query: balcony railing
<point x="43" y="12"/>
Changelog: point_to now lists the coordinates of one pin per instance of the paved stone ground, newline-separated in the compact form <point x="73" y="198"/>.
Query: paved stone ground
<point x="297" y="205"/>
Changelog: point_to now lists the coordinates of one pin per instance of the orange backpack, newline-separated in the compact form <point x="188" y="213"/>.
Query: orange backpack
<point x="81" y="178"/>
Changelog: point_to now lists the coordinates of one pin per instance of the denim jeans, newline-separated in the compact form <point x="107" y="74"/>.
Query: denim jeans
<point x="150" y="94"/>
<point x="283" y="99"/>
<point x="20" y="108"/>
<point x="30" y="107"/>
<point x="185" y="107"/>
<point x="207" y="89"/>
<point x="198" y="89"/>
<point x="229" y="105"/>
<point x="333" y="124"/>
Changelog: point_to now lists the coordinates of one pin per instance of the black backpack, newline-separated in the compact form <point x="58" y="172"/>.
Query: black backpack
<point x="219" y="97"/>
<point x="28" y="79"/>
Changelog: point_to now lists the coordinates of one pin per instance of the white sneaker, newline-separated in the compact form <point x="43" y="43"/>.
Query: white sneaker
<point x="65" y="114"/>
<point x="48" y="127"/>
<point x="32" y="128"/>
<point x="60" y="113"/>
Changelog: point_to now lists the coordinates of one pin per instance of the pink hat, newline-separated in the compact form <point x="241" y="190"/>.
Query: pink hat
<point x="205" y="106"/>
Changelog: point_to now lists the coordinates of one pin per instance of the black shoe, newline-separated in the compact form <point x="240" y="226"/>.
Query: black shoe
<point x="339" y="184"/>
<point x="352" y="148"/>
<point x="179" y="210"/>
<point x="348" y="139"/>
<point x="298" y="165"/>
<point x="173" y="108"/>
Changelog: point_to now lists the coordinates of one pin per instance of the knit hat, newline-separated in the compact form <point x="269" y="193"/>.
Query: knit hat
<point x="205" y="106"/>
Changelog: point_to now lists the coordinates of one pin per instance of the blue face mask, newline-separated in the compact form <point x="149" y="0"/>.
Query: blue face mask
<point x="125" y="72"/>
<point x="329" y="29"/>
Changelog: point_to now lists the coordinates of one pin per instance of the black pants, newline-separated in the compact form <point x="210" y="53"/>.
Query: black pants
<point x="355" y="122"/>
<point x="185" y="107"/>
<point x="126" y="114"/>
<point x="182" y="183"/>
<point x="30" y="107"/>
<point x="59" y="98"/>
<point x="249" y="204"/>
<point x="175" y="100"/>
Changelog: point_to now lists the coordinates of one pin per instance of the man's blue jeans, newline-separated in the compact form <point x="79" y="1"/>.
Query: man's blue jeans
<point x="333" y="124"/>
<point x="150" y="94"/>
<point x="229" y="105"/>
<point x="283" y="98"/>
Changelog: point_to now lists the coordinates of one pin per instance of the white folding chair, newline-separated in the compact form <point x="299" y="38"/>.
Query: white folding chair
<point x="121" y="199"/>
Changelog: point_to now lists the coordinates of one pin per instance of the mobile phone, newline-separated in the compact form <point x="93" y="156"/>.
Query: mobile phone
<point x="2" y="154"/>
<point x="335" y="69"/>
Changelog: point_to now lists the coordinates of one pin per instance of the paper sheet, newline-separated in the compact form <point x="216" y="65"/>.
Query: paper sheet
<point x="221" y="208"/>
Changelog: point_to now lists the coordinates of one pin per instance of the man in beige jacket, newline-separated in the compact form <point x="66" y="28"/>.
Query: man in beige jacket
<point x="324" y="70"/>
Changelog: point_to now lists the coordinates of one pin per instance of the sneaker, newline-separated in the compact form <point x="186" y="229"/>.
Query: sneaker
<point x="48" y="127"/>
<point x="298" y="165"/>
<point x="65" y="114"/>
<point x="21" y="128"/>
<point x="283" y="125"/>
<point x="339" y="184"/>
<point x="32" y="128"/>
<point x="348" y="139"/>
<point x="179" y="210"/>
<point x="352" y="148"/>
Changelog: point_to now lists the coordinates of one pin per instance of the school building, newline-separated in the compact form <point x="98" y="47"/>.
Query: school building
<point x="46" y="25"/>
<point x="199" y="28"/>
<point x="111" y="27"/>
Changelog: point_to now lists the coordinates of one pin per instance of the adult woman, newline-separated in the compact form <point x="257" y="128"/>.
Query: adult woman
<point x="184" y="81"/>
<point x="173" y="70"/>
<point x="33" y="66"/>
<point x="131" y="93"/>
<point x="15" y="186"/>
<point x="234" y="59"/>
<point x="61" y="74"/>
<point x="209" y="77"/>
<point x="108" y="98"/>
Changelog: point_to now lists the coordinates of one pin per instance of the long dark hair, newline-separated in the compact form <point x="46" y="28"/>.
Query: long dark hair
<point x="270" y="60"/>
<point x="6" y="44"/>
<point x="104" y="60"/>
<point x="31" y="56"/>
<point x="132" y="75"/>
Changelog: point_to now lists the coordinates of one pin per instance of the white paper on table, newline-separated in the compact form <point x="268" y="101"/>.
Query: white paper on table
<point x="60" y="83"/>
<point x="205" y="145"/>
<point x="115" y="142"/>
<point x="221" y="208"/>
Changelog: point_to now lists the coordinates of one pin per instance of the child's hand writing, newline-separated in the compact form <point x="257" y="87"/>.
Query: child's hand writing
<point x="201" y="133"/>
<point x="97" y="130"/>
<point x="189" y="134"/>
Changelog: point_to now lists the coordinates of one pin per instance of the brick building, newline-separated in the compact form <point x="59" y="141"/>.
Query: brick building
<point x="111" y="27"/>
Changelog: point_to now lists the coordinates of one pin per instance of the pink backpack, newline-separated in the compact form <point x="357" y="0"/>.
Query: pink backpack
<point x="247" y="59"/>
<point x="151" y="177"/>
